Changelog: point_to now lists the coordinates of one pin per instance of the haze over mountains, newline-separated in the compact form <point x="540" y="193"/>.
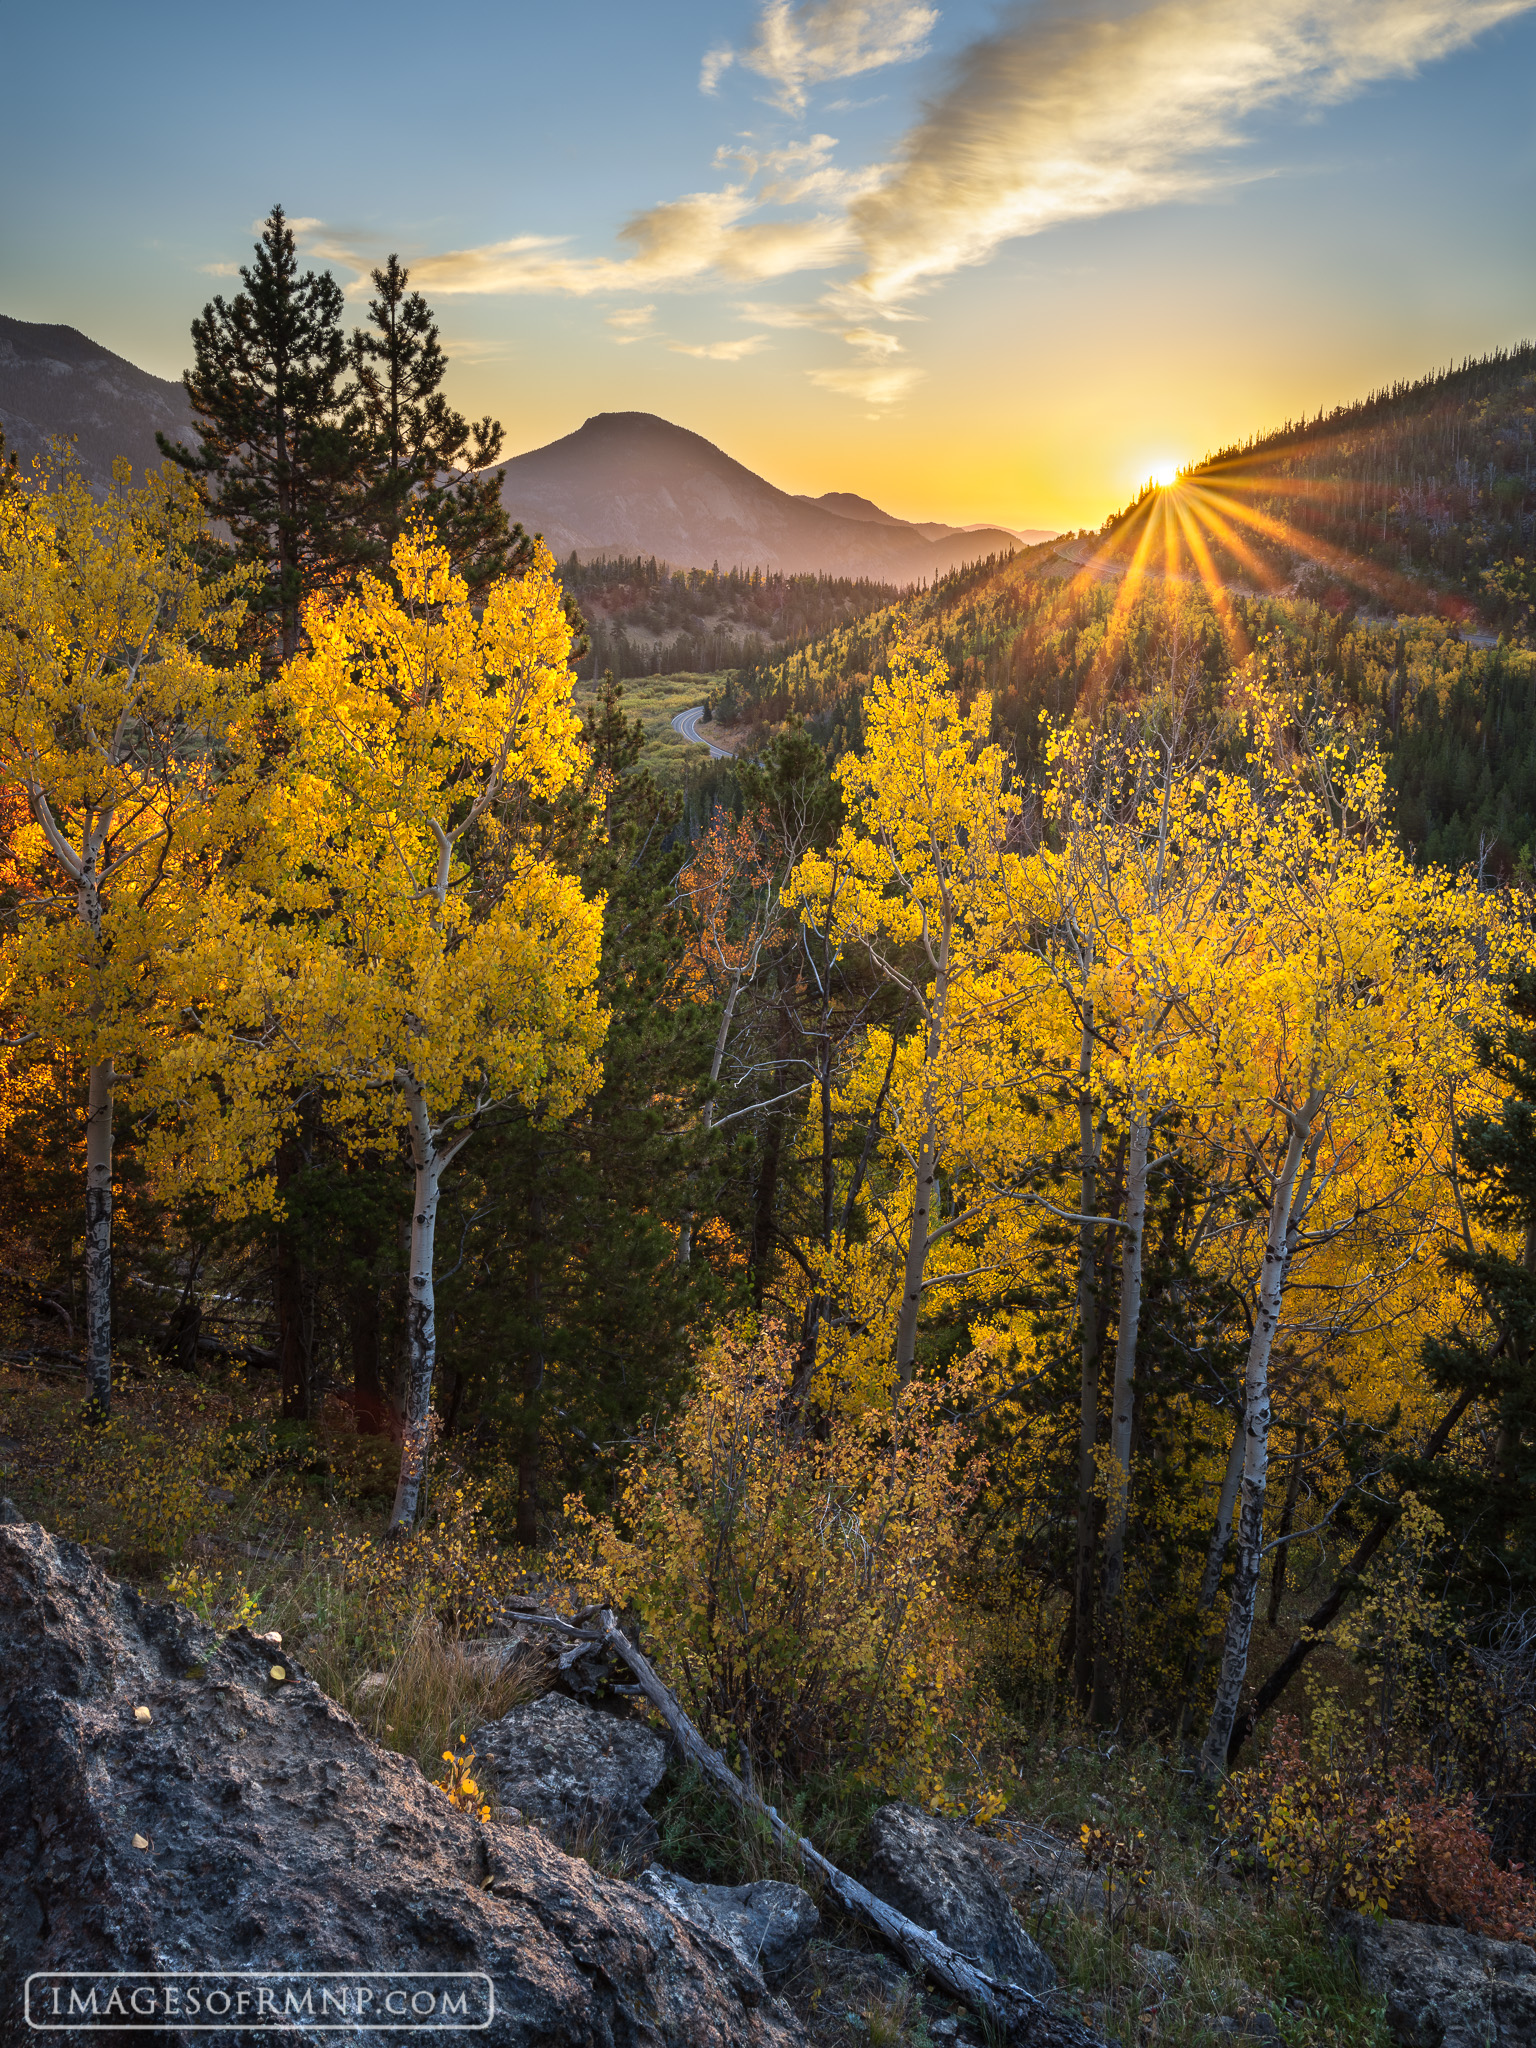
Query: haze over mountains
<point x="623" y="484"/>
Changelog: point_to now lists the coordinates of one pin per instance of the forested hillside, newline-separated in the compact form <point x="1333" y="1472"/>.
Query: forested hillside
<point x="1004" y="1211"/>
<point x="647" y="618"/>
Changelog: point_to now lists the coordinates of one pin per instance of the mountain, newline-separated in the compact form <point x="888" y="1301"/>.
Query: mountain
<point x="627" y="483"/>
<point x="850" y="506"/>
<point x="55" y="381"/>
<point x="1420" y="498"/>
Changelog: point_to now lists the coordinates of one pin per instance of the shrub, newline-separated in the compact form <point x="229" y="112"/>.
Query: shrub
<point x="1325" y="1825"/>
<point x="1452" y="1878"/>
<point x="795" y="1581"/>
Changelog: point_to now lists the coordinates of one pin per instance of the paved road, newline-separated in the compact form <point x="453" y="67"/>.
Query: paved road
<point x="687" y="723"/>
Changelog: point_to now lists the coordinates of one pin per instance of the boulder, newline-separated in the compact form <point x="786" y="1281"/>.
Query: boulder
<point x="1445" y="1988"/>
<point x="168" y="1802"/>
<point x="936" y="1874"/>
<point x="767" y="1924"/>
<point x="577" y="1770"/>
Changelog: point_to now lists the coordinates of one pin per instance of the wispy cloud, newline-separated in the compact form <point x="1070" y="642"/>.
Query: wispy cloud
<point x="1065" y="115"/>
<point x="632" y="323"/>
<point x="799" y="47"/>
<point x="872" y="382"/>
<point x="720" y="351"/>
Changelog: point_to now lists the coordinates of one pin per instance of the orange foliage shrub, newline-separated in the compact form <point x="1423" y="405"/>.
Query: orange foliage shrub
<point x="795" y="1583"/>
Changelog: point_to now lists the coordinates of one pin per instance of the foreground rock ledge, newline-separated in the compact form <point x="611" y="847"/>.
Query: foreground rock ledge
<point x="279" y="1837"/>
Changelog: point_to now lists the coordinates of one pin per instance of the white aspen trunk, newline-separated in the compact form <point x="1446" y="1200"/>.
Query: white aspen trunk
<point x="1221" y="1535"/>
<point x="1122" y="1411"/>
<point x="98" y="1239"/>
<point x="420" y="1310"/>
<point x="1088" y="1329"/>
<point x="722" y="1038"/>
<point x="1250" y="1524"/>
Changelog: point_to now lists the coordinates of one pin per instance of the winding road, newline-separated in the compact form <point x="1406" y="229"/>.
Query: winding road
<point x="687" y="723"/>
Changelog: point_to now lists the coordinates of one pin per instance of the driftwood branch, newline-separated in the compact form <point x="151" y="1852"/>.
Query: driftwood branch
<point x="1018" y="2013"/>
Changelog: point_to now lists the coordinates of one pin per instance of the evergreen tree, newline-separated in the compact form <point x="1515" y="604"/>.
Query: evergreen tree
<point x="419" y="455"/>
<point x="277" y="456"/>
<point x="1491" y="1508"/>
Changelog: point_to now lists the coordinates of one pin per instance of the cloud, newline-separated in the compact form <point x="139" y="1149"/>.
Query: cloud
<point x="1067" y="115"/>
<point x="873" y="342"/>
<point x="720" y="351"/>
<point x="632" y="324"/>
<point x="220" y="269"/>
<point x="797" y="47"/>
<point x="873" y="383"/>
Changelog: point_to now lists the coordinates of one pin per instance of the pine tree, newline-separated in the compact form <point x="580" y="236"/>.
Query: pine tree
<point x="421" y="456"/>
<point x="277" y="458"/>
<point x="1492" y="1511"/>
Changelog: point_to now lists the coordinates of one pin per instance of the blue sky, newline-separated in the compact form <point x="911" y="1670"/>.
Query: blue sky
<point x="977" y="262"/>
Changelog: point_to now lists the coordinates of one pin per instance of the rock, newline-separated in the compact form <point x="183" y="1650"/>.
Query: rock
<point x="767" y="1924"/>
<point x="577" y="1770"/>
<point x="934" y="1873"/>
<point x="1157" y="1968"/>
<point x="280" y="1838"/>
<point x="1445" y="1988"/>
<point x="9" y="1512"/>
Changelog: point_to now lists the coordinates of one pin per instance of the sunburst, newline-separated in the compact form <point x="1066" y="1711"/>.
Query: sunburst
<point x="1237" y="525"/>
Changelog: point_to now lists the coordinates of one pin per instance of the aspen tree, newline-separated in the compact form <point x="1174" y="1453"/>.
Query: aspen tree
<point x="112" y="724"/>
<point x="1336" y="1037"/>
<point x="922" y="880"/>
<point x="441" y="958"/>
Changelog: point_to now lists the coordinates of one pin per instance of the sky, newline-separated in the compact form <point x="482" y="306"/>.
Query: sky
<point x="977" y="263"/>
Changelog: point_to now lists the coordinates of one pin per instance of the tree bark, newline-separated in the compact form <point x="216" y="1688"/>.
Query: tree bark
<point x="1250" y="1527"/>
<point x="420" y="1308"/>
<point x="1088" y="1411"/>
<point x="1122" y="1417"/>
<point x="98" y="1240"/>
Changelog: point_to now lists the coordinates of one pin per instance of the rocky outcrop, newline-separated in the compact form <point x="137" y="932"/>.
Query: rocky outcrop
<point x="1445" y="1988"/>
<point x="935" y="1873"/>
<point x="576" y="1770"/>
<point x="767" y="1924"/>
<point x="172" y="1799"/>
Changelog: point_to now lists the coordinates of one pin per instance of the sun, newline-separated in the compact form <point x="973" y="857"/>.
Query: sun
<point x="1164" y="474"/>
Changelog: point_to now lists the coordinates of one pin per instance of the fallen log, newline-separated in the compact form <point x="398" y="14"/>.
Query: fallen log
<point x="1019" y="2014"/>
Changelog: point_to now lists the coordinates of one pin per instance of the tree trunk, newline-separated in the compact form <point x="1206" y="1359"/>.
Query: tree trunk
<point x="98" y="1240"/>
<point x="1250" y="1526"/>
<point x="1122" y="1417"/>
<point x="420" y="1310"/>
<point x="1283" y="1533"/>
<point x="1088" y="1332"/>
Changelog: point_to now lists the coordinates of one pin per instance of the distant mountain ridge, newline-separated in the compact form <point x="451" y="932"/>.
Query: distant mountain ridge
<point x="628" y="483"/>
<point x="56" y="381"/>
<point x="624" y="483"/>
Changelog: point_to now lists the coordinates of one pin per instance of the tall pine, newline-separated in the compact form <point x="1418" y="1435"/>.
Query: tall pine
<point x="1489" y="1503"/>
<point x="421" y="457"/>
<point x="277" y="457"/>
